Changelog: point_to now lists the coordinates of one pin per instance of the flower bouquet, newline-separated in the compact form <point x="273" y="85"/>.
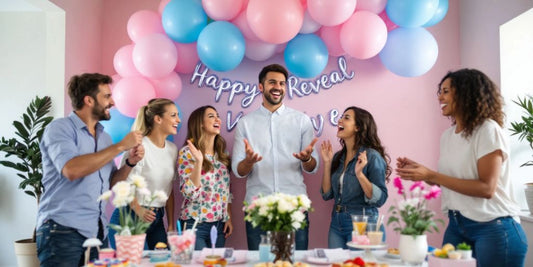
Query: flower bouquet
<point x="281" y="215"/>
<point x="412" y="209"/>
<point x="131" y="229"/>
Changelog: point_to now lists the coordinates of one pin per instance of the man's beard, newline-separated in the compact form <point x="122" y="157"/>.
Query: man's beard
<point x="271" y="100"/>
<point x="99" y="112"/>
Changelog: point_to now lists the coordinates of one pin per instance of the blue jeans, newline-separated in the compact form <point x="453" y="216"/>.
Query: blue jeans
<point x="59" y="245"/>
<point x="341" y="227"/>
<point x="155" y="233"/>
<point x="500" y="242"/>
<point x="203" y="233"/>
<point x="253" y="236"/>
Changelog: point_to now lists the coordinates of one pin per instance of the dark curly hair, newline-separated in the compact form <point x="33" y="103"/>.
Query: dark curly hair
<point x="367" y="136"/>
<point x="85" y="84"/>
<point x="476" y="99"/>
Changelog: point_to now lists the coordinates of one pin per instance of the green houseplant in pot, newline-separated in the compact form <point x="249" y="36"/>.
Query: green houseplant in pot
<point x="524" y="130"/>
<point x="22" y="153"/>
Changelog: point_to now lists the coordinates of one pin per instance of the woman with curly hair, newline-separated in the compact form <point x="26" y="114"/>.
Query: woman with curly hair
<point x="473" y="171"/>
<point x="355" y="176"/>
<point x="203" y="166"/>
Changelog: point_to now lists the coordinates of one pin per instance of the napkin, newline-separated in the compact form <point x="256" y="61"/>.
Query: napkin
<point x="332" y="255"/>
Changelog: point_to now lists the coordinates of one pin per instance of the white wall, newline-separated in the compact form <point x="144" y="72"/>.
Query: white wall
<point x="32" y="56"/>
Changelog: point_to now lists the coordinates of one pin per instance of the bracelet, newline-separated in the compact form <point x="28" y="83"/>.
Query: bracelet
<point x="310" y="157"/>
<point x="129" y="164"/>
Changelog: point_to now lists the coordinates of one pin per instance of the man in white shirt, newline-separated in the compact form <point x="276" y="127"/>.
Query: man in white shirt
<point x="273" y="145"/>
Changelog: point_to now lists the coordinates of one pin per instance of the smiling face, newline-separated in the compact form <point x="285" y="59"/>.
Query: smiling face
<point x="273" y="89"/>
<point x="102" y="103"/>
<point x="169" y="120"/>
<point x="211" y="122"/>
<point x="446" y="98"/>
<point x="346" y="128"/>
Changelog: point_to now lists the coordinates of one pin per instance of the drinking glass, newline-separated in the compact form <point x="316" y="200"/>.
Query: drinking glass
<point x="359" y="223"/>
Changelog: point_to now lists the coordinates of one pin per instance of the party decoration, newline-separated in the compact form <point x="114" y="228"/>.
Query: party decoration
<point x="131" y="93"/>
<point x="412" y="13"/>
<point x="143" y="23"/>
<point x="309" y="25"/>
<point x="155" y="55"/>
<point x="183" y="20"/>
<point x="123" y="62"/>
<point x="116" y="78"/>
<point x="442" y="9"/>
<point x="275" y="21"/>
<point x="221" y="46"/>
<point x="188" y="57"/>
<point x="409" y="52"/>
<point x="222" y="9"/>
<point x="363" y="35"/>
<point x="332" y="39"/>
<point x="162" y="6"/>
<point x="118" y="126"/>
<point x="306" y="55"/>
<point x="374" y="6"/>
<point x="242" y="23"/>
<point x="390" y="25"/>
<point x="259" y="50"/>
<point x="330" y="13"/>
<point x="168" y="86"/>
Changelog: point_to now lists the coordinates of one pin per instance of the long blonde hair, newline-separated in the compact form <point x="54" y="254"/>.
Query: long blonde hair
<point x="195" y="132"/>
<point x="144" y="121"/>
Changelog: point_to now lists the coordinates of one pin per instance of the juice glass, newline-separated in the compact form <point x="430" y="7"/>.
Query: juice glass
<point x="359" y="223"/>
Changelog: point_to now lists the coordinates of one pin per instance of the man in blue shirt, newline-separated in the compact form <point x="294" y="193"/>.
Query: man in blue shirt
<point x="77" y="158"/>
<point x="273" y="144"/>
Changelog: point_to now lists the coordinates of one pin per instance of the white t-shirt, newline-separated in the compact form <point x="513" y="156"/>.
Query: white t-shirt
<point x="459" y="157"/>
<point x="158" y="167"/>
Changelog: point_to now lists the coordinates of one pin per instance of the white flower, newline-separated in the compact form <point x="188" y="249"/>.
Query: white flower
<point x="408" y="202"/>
<point x="105" y="196"/>
<point x="138" y="181"/>
<point x="160" y="196"/>
<point x="304" y="201"/>
<point x="298" y="216"/>
<point x="122" y="189"/>
<point x="285" y="206"/>
<point x="144" y="192"/>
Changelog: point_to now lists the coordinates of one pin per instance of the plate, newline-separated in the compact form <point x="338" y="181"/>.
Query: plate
<point x="239" y="256"/>
<point x="333" y="255"/>
<point x="317" y="261"/>
<point x="353" y="245"/>
<point x="392" y="256"/>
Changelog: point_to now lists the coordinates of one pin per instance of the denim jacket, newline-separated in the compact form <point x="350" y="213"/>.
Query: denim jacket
<point x="353" y="197"/>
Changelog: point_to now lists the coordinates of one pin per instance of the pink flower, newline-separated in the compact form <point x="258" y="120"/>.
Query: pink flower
<point x="417" y="184"/>
<point x="434" y="192"/>
<point x="398" y="184"/>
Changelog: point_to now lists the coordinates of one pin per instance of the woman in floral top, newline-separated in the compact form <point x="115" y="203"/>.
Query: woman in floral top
<point x="203" y="166"/>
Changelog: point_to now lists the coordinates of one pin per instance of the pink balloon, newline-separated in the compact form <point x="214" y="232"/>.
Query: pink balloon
<point x="155" y="55"/>
<point x="280" y="48"/>
<point x="309" y="25"/>
<point x="162" y="6"/>
<point x="123" y="62"/>
<point x="259" y="50"/>
<point x="363" y="35"/>
<point x="222" y="9"/>
<point x="275" y="21"/>
<point x="116" y="78"/>
<point x="188" y="57"/>
<point x="331" y="13"/>
<point x="390" y="25"/>
<point x="143" y="23"/>
<point x="374" y="6"/>
<point x="332" y="39"/>
<point x="168" y="87"/>
<point x="131" y="93"/>
<point x="242" y="23"/>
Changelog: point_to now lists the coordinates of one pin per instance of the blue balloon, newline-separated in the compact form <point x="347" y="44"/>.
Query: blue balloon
<point x="221" y="46"/>
<point x="183" y="20"/>
<point x="442" y="9"/>
<point x="409" y="52"/>
<point x="118" y="126"/>
<point x="306" y="55"/>
<point x="411" y="13"/>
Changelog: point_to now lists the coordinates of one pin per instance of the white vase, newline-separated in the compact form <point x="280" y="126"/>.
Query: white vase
<point x="26" y="252"/>
<point x="413" y="249"/>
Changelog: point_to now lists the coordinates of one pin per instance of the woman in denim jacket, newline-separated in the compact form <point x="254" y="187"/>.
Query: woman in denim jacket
<point x="355" y="176"/>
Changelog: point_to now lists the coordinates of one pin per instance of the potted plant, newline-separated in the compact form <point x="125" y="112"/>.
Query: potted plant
<point x="25" y="148"/>
<point x="465" y="250"/>
<point x="524" y="130"/>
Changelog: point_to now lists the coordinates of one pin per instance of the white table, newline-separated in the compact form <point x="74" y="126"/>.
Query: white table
<point x="253" y="258"/>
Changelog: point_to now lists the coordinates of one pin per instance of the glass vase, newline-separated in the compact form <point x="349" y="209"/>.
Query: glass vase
<point x="282" y="245"/>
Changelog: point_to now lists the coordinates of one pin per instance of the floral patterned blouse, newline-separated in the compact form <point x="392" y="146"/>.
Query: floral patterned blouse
<point x="209" y="201"/>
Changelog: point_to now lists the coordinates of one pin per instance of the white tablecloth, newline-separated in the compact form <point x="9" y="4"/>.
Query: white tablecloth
<point x="300" y="255"/>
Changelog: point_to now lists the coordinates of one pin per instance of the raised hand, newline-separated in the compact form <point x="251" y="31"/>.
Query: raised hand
<point x="196" y="154"/>
<point x="251" y="156"/>
<point x="305" y="154"/>
<point x="136" y="154"/>
<point x="412" y="170"/>
<point x="361" y="162"/>
<point x="326" y="151"/>
<point x="132" y="139"/>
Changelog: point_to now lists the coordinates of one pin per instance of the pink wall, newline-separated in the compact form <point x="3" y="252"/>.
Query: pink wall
<point x="405" y="109"/>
